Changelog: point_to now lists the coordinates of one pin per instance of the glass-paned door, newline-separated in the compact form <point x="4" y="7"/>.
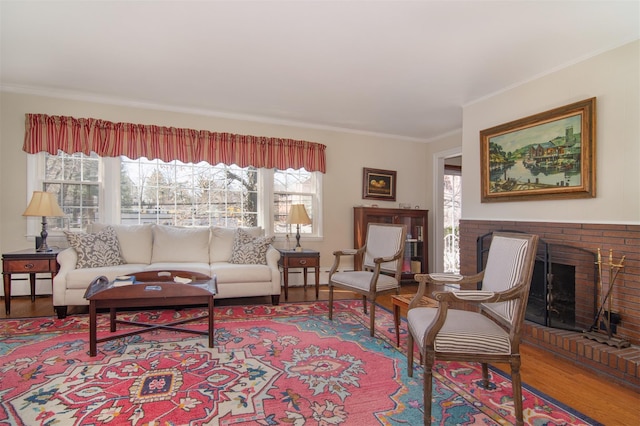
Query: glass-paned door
<point x="452" y="207"/>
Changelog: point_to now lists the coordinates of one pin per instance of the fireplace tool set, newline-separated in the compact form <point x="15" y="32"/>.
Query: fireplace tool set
<point x="609" y="319"/>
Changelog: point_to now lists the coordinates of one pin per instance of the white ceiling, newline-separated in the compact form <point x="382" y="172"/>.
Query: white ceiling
<point x="387" y="67"/>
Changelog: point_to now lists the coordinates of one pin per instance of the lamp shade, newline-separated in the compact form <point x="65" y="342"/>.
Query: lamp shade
<point x="43" y="204"/>
<point x="298" y="215"/>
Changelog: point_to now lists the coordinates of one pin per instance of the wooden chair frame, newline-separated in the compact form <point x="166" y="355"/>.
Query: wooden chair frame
<point x="519" y="293"/>
<point x="372" y="291"/>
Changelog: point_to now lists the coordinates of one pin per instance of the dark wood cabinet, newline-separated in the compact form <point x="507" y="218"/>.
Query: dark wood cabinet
<point x="416" y="251"/>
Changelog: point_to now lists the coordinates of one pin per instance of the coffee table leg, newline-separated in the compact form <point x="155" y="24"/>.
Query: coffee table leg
<point x="92" y="328"/>
<point x="112" y="319"/>
<point x="211" y="329"/>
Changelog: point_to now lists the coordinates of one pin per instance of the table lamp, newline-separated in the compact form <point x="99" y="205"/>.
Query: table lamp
<point x="298" y="216"/>
<point x="43" y="204"/>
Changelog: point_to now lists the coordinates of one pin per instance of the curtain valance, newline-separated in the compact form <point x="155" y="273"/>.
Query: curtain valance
<point x="108" y="139"/>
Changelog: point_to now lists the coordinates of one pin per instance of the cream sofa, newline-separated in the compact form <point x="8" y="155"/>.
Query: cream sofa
<point x="159" y="247"/>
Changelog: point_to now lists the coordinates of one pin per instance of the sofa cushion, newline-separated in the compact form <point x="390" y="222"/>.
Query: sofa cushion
<point x="96" y="250"/>
<point x="227" y="272"/>
<point x="79" y="279"/>
<point x="173" y="244"/>
<point x="222" y="242"/>
<point x="200" y="267"/>
<point x="248" y="249"/>
<point x="135" y="241"/>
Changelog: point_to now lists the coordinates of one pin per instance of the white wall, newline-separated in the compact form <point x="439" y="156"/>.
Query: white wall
<point x="614" y="79"/>
<point x="347" y="154"/>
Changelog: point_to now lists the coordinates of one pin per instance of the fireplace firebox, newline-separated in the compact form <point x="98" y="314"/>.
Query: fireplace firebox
<point x="563" y="291"/>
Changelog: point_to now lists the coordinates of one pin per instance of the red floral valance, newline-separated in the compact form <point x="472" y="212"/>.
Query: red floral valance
<point x="107" y="139"/>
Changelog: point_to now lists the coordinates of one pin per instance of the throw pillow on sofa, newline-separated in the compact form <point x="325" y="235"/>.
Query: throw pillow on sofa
<point x="135" y="240"/>
<point x="248" y="249"/>
<point x="96" y="250"/>
<point x="221" y="246"/>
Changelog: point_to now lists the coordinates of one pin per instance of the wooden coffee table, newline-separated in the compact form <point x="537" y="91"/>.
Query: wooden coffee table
<point x="402" y="301"/>
<point x="150" y="289"/>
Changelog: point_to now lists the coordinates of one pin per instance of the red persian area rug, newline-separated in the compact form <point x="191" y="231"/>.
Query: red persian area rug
<point x="271" y="365"/>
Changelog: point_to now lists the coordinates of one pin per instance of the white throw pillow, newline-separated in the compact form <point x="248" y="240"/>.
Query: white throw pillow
<point x="135" y="241"/>
<point x="222" y="242"/>
<point x="96" y="250"/>
<point x="174" y="244"/>
<point x="248" y="249"/>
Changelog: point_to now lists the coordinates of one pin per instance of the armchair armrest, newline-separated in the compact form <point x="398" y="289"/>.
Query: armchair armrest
<point x="338" y="254"/>
<point x="385" y="259"/>
<point x="478" y="296"/>
<point x="442" y="279"/>
<point x="465" y="296"/>
<point x="449" y="278"/>
<point x="346" y="252"/>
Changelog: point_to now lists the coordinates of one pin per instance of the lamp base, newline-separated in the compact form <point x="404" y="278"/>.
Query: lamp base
<point x="43" y="237"/>
<point x="298" y="247"/>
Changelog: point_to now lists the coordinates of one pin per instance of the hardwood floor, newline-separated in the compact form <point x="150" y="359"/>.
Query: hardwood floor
<point x="564" y="381"/>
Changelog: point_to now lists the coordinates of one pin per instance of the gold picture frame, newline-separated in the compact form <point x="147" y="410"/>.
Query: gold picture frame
<point x="550" y="155"/>
<point x="378" y="184"/>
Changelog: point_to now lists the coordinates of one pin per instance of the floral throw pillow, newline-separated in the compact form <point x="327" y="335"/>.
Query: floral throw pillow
<point x="248" y="249"/>
<point x="96" y="250"/>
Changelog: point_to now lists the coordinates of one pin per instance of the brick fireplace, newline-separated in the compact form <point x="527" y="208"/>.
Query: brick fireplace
<point x="574" y="248"/>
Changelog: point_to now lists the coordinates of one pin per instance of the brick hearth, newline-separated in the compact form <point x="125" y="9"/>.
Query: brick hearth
<point x="620" y="365"/>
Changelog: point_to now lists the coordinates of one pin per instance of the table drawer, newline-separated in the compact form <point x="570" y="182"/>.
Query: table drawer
<point x="303" y="262"/>
<point x="26" y="266"/>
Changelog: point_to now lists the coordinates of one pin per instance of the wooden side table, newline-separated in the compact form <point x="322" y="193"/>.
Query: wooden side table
<point x="402" y="301"/>
<point x="299" y="259"/>
<point x="27" y="262"/>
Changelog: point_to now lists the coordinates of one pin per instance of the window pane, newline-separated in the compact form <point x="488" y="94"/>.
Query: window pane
<point x="188" y="194"/>
<point x="75" y="180"/>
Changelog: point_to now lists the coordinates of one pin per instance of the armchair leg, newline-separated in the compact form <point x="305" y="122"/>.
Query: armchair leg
<point x="364" y="304"/>
<point x="429" y="360"/>
<point x="410" y="354"/>
<point x="330" y="302"/>
<point x="516" y="384"/>
<point x="485" y="375"/>
<point x="372" y="318"/>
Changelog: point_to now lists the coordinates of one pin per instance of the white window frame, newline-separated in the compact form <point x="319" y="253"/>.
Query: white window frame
<point x="109" y="199"/>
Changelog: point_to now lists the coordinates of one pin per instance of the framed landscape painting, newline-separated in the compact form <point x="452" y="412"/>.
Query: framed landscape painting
<point x="544" y="156"/>
<point x="378" y="184"/>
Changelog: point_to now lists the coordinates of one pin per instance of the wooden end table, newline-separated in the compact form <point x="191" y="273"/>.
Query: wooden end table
<point x="402" y="301"/>
<point x="27" y="262"/>
<point x="299" y="259"/>
<point x="150" y="289"/>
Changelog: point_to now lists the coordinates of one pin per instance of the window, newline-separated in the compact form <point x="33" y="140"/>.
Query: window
<point x="294" y="187"/>
<point x="122" y="190"/>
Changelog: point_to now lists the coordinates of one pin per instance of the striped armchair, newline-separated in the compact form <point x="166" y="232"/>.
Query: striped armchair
<point x="382" y="267"/>
<point x="488" y="334"/>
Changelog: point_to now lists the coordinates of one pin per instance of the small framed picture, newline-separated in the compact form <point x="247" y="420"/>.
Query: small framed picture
<point x="378" y="184"/>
